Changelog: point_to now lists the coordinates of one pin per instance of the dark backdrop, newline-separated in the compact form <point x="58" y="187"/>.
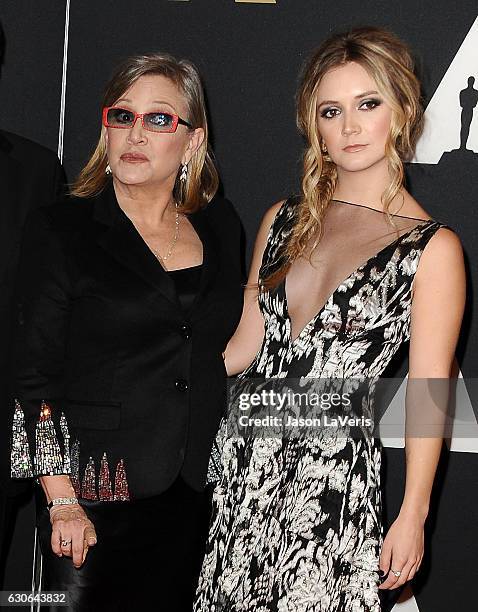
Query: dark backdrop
<point x="249" y="54"/>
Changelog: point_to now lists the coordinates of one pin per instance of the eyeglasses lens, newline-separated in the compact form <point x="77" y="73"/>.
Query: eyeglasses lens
<point x="158" y="122"/>
<point x="120" y="117"/>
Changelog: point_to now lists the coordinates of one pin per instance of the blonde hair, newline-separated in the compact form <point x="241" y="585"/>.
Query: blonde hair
<point x="202" y="180"/>
<point x="388" y="60"/>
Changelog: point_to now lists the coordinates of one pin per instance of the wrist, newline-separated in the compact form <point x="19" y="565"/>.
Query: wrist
<point x="414" y="512"/>
<point x="57" y="486"/>
<point x="66" y="512"/>
<point x="62" y="501"/>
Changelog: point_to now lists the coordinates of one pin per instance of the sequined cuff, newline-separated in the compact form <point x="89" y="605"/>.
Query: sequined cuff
<point x="214" y="472"/>
<point x="88" y="489"/>
<point x="47" y="458"/>
<point x="21" y="464"/>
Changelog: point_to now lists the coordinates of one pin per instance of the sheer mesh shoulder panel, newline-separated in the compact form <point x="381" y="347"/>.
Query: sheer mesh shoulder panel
<point x="353" y="235"/>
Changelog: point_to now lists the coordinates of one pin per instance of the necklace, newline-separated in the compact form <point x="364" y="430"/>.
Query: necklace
<point x="171" y="246"/>
<point x="159" y="257"/>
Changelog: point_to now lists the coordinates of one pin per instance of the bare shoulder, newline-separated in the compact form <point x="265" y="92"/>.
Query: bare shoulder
<point x="442" y="258"/>
<point x="271" y="213"/>
<point x="268" y="219"/>
<point x="266" y="224"/>
<point x="444" y="244"/>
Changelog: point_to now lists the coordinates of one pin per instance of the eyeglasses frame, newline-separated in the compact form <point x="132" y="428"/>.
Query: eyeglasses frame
<point x="176" y="120"/>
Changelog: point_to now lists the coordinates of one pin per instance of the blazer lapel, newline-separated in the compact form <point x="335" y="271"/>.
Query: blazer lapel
<point x="121" y="240"/>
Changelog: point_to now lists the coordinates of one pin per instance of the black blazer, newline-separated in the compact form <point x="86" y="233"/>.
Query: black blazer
<point x="30" y="176"/>
<point x="102" y="338"/>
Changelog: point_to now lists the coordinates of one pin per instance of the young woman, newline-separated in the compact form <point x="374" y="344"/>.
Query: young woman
<point x="346" y="272"/>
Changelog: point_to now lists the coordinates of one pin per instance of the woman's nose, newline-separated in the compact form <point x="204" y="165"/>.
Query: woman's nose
<point x="350" y="124"/>
<point x="137" y="132"/>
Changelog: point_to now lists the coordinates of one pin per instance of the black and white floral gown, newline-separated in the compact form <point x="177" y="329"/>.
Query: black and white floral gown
<point x="296" y="523"/>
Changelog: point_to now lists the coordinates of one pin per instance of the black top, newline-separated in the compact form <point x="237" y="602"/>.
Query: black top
<point x="187" y="281"/>
<point x="102" y="338"/>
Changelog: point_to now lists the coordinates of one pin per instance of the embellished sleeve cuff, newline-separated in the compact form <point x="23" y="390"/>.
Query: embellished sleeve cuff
<point x="51" y="453"/>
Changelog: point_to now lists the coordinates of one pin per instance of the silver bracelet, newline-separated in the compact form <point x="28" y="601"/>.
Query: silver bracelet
<point x="63" y="501"/>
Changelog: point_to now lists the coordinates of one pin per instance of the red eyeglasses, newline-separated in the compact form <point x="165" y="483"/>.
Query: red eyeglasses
<point x="156" y="121"/>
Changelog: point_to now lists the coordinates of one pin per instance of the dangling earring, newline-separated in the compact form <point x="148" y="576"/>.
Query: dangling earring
<point x="184" y="173"/>
<point x="107" y="169"/>
<point x="323" y="148"/>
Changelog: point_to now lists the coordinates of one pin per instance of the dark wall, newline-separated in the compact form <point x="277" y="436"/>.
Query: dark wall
<point x="249" y="55"/>
<point x="30" y="85"/>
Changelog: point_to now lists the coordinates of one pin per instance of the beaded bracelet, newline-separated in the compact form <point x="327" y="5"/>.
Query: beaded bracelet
<point x="63" y="501"/>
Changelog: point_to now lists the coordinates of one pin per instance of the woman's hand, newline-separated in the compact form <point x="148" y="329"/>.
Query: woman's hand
<point x="72" y="532"/>
<point x="402" y="550"/>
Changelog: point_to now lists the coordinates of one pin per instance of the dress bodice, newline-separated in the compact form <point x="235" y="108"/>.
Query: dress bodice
<point x="363" y="287"/>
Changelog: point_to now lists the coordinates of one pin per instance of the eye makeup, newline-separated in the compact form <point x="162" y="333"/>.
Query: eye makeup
<point x="325" y="112"/>
<point x="375" y="101"/>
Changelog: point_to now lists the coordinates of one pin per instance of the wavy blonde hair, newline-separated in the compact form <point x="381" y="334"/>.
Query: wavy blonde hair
<point x="389" y="62"/>
<point x="202" y="181"/>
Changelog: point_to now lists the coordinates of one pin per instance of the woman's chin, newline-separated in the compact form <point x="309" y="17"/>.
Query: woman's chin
<point x="358" y="162"/>
<point x="133" y="177"/>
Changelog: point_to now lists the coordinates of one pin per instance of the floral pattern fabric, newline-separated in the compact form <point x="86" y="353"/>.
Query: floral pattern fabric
<point x="296" y="522"/>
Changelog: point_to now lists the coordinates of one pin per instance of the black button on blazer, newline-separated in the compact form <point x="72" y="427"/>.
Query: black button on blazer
<point x="132" y="386"/>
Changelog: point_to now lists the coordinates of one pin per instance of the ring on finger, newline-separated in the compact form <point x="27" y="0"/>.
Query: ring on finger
<point x="396" y="573"/>
<point x="65" y="542"/>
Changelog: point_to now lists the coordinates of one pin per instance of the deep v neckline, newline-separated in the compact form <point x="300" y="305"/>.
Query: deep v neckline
<point x="283" y="284"/>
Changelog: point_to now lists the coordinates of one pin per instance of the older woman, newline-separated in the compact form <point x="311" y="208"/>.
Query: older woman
<point x="128" y="293"/>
